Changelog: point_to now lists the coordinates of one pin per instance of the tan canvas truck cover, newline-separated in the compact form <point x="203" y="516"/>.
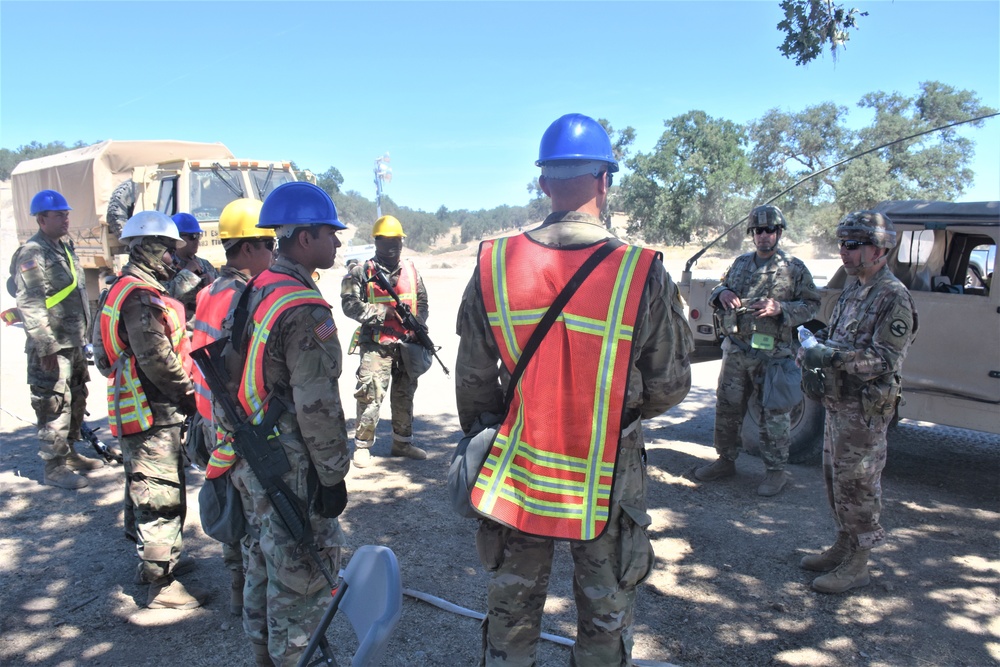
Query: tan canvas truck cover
<point x="87" y="177"/>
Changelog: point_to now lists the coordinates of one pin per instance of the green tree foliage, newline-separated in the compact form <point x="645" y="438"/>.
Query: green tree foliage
<point x="811" y="25"/>
<point x="10" y="158"/>
<point x="697" y="180"/>
<point x="330" y="180"/>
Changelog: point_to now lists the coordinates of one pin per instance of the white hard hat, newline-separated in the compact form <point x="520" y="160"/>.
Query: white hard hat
<point x="151" y="223"/>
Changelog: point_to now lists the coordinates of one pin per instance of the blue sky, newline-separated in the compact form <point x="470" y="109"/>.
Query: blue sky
<point x="458" y="93"/>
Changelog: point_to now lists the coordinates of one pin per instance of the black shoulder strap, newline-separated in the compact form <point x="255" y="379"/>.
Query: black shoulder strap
<point x="553" y="312"/>
<point x="240" y="316"/>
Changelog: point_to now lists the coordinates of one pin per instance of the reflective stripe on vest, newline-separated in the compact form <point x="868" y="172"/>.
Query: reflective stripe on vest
<point x="406" y="287"/>
<point x="128" y="407"/>
<point x="552" y="464"/>
<point x="281" y="292"/>
<point x="61" y="295"/>
<point x="210" y="311"/>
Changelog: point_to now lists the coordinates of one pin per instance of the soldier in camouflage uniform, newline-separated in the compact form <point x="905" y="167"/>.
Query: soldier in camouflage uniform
<point x="301" y="366"/>
<point x="607" y="569"/>
<point x="855" y="371"/>
<point x="380" y="340"/>
<point x="140" y="328"/>
<point x="763" y="297"/>
<point x="51" y="294"/>
<point x="192" y="272"/>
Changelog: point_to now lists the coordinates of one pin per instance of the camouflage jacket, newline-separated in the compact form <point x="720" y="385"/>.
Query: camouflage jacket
<point x="354" y="297"/>
<point x="143" y="328"/>
<point x="660" y="373"/>
<point x="874" y="323"/>
<point x="41" y="269"/>
<point x="185" y="285"/>
<point x="302" y="368"/>
<point x="783" y="278"/>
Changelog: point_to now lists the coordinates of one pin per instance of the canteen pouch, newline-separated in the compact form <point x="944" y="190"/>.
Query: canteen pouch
<point x="879" y="397"/>
<point x="468" y="460"/>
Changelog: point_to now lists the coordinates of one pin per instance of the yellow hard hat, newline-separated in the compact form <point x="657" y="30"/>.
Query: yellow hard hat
<point x="387" y="225"/>
<point x="239" y="220"/>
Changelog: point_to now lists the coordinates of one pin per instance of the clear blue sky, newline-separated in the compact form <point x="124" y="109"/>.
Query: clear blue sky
<point x="459" y="93"/>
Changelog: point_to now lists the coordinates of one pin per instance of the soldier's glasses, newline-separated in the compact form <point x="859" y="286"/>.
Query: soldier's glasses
<point x="191" y="237"/>
<point x="764" y="230"/>
<point x="853" y="245"/>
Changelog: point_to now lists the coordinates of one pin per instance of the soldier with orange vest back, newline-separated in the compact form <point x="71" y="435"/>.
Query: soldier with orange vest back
<point x="380" y="340"/>
<point x="568" y="460"/>
<point x="141" y="347"/>
<point x="287" y="358"/>
<point x="249" y="250"/>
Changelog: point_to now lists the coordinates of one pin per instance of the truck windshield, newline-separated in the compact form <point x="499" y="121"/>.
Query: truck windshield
<point x="212" y="190"/>
<point x="265" y="180"/>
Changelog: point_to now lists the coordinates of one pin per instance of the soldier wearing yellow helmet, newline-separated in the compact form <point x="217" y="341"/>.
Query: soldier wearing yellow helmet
<point x="381" y="339"/>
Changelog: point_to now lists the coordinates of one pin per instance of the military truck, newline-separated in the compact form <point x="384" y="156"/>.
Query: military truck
<point x="168" y="176"/>
<point x="946" y="255"/>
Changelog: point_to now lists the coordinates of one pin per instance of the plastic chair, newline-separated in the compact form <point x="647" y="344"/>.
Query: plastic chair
<point x="371" y="595"/>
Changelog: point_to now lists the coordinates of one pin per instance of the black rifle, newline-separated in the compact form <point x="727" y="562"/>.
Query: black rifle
<point x="110" y="454"/>
<point x="410" y="322"/>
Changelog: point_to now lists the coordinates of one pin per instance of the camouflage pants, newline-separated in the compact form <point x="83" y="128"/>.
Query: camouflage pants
<point x="379" y="365"/>
<point x="854" y="453"/>
<point x="59" y="399"/>
<point x="155" y="496"/>
<point x="606" y="572"/>
<point x="741" y="374"/>
<point x="285" y="594"/>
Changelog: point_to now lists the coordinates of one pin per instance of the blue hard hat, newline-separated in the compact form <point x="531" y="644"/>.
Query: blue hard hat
<point x="48" y="200"/>
<point x="576" y="137"/>
<point x="186" y="223"/>
<point x="298" y="203"/>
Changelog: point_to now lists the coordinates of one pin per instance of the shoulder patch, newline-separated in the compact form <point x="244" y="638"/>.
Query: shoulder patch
<point x="899" y="328"/>
<point x="29" y="265"/>
<point x="325" y="329"/>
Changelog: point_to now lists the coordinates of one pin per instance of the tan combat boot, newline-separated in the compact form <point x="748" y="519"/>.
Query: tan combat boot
<point x="169" y="593"/>
<point x="57" y="473"/>
<point x="408" y="450"/>
<point x="261" y="658"/>
<point x="723" y="467"/>
<point x="852" y="573"/>
<point x="236" y="592"/>
<point x="76" y="461"/>
<point x="831" y="558"/>
<point x="362" y="456"/>
<point x="774" y="482"/>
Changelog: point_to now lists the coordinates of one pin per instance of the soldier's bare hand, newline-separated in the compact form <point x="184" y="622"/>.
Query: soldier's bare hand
<point x="729" y="300"/>
<point x="50" y="362"/>
<point x="193" y="266"/>
<point x="766" y="308"/>
<point x="390" y="314"/>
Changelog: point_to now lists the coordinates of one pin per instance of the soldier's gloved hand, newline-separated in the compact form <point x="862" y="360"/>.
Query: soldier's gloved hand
<point x="331" y="500"/>
<point x="819" y="356"/>
<point x="187" y="405"/>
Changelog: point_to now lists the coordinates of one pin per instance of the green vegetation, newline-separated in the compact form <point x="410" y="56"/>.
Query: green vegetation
<point x="811" y="25"/>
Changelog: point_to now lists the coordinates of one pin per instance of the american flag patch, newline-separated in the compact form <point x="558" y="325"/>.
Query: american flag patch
<point x="157" y="301"/>
<point x="29" y="265"/>
<point x="325" y="329"/>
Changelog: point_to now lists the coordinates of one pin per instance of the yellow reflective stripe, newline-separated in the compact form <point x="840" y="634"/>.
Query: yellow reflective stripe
<point x="504" y="317"/>
<point x="59" y="296"/>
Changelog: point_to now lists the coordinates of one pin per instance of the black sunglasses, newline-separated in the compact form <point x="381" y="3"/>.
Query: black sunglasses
<point x="268" y="243"/>
<point x="853" y="245"/>
<point x="191" y="237"/>
<point x="765" y="230"/>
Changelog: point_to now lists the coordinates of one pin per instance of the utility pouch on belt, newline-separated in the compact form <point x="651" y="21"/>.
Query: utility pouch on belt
<point x="879" y="397"/>
<point x="761" y="341"/>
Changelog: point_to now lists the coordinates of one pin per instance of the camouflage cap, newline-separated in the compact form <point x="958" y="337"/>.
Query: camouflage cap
<point x="868" y="226"/>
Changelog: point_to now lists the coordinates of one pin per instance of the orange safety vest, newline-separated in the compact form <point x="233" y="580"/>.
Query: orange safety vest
<point x="406" y="287"/>
<point x="552" y="464"/>
<point x="128" y="407"/>
<point x="281" y="292"/>
<point x="211" y="310"/>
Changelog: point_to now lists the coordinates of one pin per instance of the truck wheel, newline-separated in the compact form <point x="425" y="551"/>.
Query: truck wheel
<point x="806" y="432"/>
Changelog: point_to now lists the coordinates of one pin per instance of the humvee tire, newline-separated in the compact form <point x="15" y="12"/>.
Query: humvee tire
<point x="806" y="432"/>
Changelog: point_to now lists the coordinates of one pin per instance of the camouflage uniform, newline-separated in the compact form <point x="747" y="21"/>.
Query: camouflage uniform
<point x="784" y="279"/>
<point x="185" y="285"/>
<point x="41" y="269"/>
<point x="872" y="326"/>
<point x="303" y="369"/>
<point x="608" y="569"/>
<point x="154" y="469"/>
<point x="121" y="205"/>
<point x="380" y="362"/>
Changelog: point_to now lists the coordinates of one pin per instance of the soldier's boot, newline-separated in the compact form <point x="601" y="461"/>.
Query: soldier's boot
<point x="852" y="573"/>
<point x="76" y="461"/>
<point x="408" y="450"/>
<point x="261" y="658"/>
<point x="236" y="593"/>
<point x="721" y="468"/>
<point x="57" y="473"/>
<point x="774" y="482"/>
<point x="169" y="593"/>
<point x="831" y="558"/>
<point x="362" y="456"/>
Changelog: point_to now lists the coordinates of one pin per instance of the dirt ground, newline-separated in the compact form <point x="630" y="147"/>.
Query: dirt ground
<point x="726" y="589"/>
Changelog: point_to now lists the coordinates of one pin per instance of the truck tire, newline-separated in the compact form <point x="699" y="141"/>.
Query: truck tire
<point x="806" y="432"/>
